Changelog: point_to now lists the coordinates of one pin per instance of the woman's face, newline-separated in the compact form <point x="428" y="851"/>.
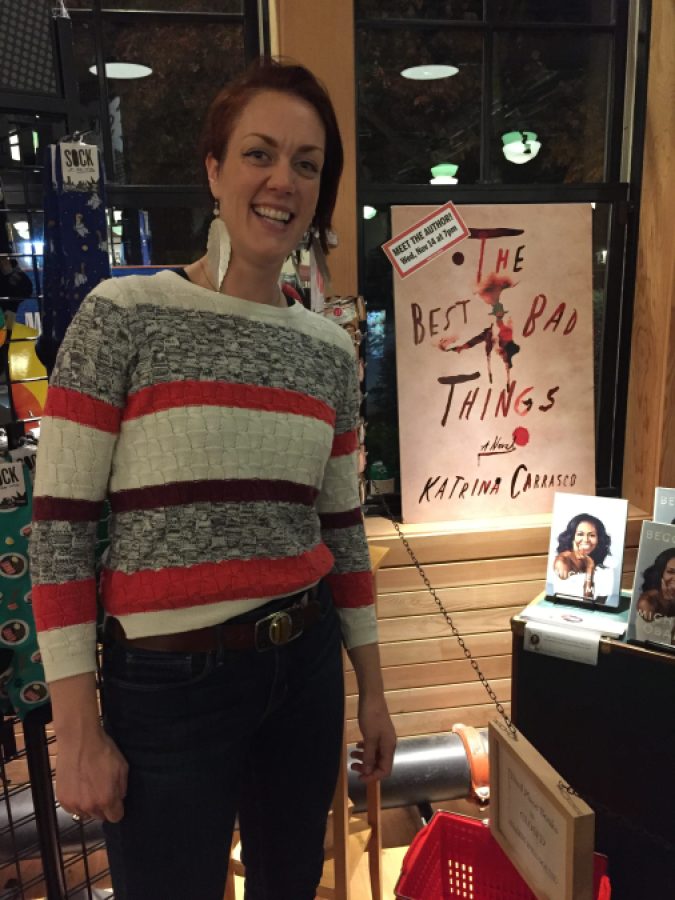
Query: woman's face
<point x="585" y="538"/>
<point x="268" y="183"/>
<point x="668" y="580"/>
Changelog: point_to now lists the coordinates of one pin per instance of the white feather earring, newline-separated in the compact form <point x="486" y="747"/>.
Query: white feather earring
<point x="218" y="250"/>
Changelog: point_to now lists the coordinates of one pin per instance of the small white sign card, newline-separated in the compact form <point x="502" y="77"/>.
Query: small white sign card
<point x="652" y="610"/>
<point x="12" y="486"/>
<point x="585" y="555"/>
<point x="79" y="165"/>
<point x="423" y="241"/>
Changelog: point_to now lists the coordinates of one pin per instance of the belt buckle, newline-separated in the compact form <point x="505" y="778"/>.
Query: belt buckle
<point x="275" y="631"/>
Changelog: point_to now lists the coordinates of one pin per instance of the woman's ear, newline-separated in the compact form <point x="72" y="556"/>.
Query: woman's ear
<point x="212" y="169"/>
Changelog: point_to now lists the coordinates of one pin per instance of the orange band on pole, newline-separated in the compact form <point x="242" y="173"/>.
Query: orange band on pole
<point x="479" y="762"/>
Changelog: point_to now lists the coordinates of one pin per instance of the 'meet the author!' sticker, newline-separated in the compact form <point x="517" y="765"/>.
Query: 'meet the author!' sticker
<point x="425" y="240"/>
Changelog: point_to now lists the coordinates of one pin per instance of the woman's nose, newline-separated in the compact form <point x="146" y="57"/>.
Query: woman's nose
<point x="282" y="176"/>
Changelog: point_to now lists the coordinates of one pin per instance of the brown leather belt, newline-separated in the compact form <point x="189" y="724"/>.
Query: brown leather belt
<point x="275" y="630"/>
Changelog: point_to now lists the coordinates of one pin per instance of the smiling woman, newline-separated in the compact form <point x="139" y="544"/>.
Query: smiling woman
<point x="221" y="423"/>
<point x="267" y="186"/>
<point x="582" y="546"/>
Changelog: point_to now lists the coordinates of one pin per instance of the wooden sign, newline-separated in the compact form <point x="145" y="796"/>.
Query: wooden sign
<point x="547" y="833"/>
<point x="494" y="355"/>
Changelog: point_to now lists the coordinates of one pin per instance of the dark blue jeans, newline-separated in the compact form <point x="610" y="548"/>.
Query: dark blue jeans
<point x="210" y="735"/>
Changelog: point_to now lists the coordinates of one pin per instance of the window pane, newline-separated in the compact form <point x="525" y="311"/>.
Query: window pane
<point x="465" y="10"/>
<point x="408" y="126"/>
<point x="156" y="120"/>
<point x="556" y="87"/>
<point x="21" y="276"/>
<point x="84" y="56"/>
<point x="23" y="137"/>
<point x="158" y="236"/>
<point x="596" y="12"/>
<point x="601" y="214"/>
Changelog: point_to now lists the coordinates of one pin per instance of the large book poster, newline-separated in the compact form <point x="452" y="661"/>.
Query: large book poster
<point x="495" y="364"/>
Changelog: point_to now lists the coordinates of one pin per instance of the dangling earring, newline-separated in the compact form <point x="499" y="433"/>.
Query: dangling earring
<point x="218" y="251"/>
<point x="312" y="232"/>
<point x="216" y="208"/>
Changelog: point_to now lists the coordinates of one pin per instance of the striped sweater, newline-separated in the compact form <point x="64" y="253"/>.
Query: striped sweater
<point x="223" y="433"/>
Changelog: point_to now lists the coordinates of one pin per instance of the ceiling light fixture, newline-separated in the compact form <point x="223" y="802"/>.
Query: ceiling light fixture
<point x="429" y="72"/>
<point x="520" y="146"/>
<point x="444" y="173"/>
<point x="123" y="70"/>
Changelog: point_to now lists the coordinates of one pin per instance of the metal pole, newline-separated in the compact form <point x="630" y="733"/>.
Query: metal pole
<point x="40" y="774"/>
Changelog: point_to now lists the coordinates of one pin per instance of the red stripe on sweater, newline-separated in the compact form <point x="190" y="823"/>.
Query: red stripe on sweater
<point x="61" y="605"/>
<point x="181" y="588"/>
<point x="64" y="403"/>
<point x="47" y="508"/>
<point x="352" y="589"/>
<point x="181" y="493"/>
<point x="344" y="444"/>
<point x="158" y="397"/>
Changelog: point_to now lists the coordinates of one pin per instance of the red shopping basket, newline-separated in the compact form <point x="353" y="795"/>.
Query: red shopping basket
<point x="455" y="856"/>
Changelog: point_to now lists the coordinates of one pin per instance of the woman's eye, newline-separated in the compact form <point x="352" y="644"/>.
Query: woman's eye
<point x="257" y="155"/>
<point x="308" y="167"/>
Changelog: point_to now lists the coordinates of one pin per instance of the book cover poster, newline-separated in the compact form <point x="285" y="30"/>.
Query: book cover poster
<point x="495" y="364"/>
<point x="664" y="505"/>
<point x="585" y="555"/>
<point x="652" y="611"/>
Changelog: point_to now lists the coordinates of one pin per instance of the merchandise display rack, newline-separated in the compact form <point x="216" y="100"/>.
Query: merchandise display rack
<point x="43" y="852"/>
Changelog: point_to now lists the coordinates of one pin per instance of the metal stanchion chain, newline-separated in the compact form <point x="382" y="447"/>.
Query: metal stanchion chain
<point x="448" y="618"/>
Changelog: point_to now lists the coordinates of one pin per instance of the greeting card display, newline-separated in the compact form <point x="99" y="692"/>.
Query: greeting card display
<point x="586" y="549"/>
<point x="652" y="611"/>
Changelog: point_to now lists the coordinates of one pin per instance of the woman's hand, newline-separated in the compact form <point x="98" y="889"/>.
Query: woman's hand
<point x="647" y="606"/>
<point x="561" y="566"/>
<point x="374" y="755"/>
<point x="91" y="776"/>
<point x="91" y="773"/>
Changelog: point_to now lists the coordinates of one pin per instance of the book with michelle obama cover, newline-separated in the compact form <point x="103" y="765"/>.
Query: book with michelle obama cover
<point x="652" y="611"/>
<point x="585" y="555"/>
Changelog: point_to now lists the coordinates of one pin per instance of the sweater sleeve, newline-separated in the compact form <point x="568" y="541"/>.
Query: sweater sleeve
<point x="339" y="508"/>
<point x="78" y="432"/>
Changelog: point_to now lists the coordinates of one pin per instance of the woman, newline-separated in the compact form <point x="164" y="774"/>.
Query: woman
<point x="221" y="423"/>
<point x="582" y="546"/>
<point x="657" y="597"/>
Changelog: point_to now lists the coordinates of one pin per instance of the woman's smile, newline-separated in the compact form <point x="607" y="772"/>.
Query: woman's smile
<point x="585" y="538"/>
